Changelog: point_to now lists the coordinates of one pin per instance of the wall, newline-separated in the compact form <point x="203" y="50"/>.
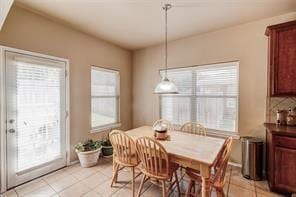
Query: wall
<point x="5" y="6"/>
<point x="28" y="31"/>
<point x="246" y="43"/>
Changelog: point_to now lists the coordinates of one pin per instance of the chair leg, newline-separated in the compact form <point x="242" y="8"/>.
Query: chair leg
<point x="196" y="194"/>
<point x="163" y="188"/>
<point x="177" y="183"/>
<point x="133" y="180"/>
<point x="188" y="191"/>
<point x="115" y="173"/>
<point x="141" y="185"/>
<point x="220" y="192"/>
<point x="193" y="187"/>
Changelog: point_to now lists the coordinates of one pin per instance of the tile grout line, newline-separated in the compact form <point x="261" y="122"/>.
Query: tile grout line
<point x="127" y="184"/>
<point x="16" y="192"/>
<point x="56" y="193"/>
<point x="65" y="187"/>
<point x="78" y="181"/>
<point x="255" y="188"/>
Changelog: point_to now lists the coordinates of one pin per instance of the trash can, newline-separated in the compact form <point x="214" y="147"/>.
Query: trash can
<point x="252" y="158"/>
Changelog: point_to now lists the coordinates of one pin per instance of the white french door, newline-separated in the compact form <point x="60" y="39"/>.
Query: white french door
<point x="36" y="116"/>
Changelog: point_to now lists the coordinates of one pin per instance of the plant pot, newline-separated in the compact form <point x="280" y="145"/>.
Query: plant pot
<point x="89" y="158"/>
<point x="107" y="151"/>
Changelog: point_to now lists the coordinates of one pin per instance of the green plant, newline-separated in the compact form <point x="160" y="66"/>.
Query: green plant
<point x="106" y="142"/>
<point x="88" y="145"/>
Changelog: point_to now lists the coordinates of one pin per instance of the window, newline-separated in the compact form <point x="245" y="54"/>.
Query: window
<point x="104" y="99"/>
<point x="208" y="95"/>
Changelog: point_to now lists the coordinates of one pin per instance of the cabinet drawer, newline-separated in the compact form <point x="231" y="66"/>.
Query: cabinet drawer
<point x="287" y="142"/>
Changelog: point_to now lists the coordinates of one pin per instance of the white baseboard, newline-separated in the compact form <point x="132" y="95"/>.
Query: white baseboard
<point x="235" y="164"/>
<point x="74" y="162"/>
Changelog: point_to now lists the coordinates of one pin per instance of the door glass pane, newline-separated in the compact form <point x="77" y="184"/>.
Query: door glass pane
<point x="38" y="133"/>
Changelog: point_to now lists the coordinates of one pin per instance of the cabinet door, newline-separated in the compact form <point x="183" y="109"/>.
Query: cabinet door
<point x="285" y="171"/>
<point x="283" y="60"/>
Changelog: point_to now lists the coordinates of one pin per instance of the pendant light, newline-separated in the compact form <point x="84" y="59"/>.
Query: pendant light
<point x="166" y="86"/>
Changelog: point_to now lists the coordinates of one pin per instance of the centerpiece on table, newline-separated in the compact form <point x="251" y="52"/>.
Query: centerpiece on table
<point x="88" y="152"/>
<point x="161" y="131"/>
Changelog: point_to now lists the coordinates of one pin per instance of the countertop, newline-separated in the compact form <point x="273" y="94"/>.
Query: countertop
<point x="281" y="129"/>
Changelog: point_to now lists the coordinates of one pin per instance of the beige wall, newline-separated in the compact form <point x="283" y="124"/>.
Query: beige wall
<point x="246" y="43"/>
<point x="28" y="31"/>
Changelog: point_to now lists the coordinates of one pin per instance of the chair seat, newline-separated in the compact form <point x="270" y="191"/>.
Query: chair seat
<point x="162" y="174"/>
<point x="134" y="161"/>
<point x="193" y="174"/>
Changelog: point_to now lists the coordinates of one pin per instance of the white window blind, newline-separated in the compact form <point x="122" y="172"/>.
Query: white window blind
<point x="39" y="109"/>
<point x="207" y="94"/>
<point x="104" y="99"/>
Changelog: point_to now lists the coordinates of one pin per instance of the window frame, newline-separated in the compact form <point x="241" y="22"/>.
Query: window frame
<point x="111" y="126"/>
<point x="193" y="97"/>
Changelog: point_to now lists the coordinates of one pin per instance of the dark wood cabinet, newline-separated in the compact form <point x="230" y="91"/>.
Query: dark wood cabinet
<point x="281" y="158"/>
<point x="282" y="59"/>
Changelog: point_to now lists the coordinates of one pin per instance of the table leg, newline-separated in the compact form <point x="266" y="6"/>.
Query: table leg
<point x="206" y="192"/>
<point x="205" y="174"/>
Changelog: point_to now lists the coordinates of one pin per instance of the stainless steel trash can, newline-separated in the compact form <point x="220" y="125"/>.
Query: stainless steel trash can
<point x="252" y="158"/>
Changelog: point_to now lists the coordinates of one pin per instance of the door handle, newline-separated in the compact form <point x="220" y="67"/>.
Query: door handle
<point x="11" y="130"/>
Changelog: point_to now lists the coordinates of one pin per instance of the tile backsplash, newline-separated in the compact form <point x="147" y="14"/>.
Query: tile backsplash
<point x="275" y="103"/>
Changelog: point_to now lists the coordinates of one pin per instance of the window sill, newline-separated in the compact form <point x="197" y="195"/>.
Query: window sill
<point x="222" y="134"/>
<point x="105" y="128"/>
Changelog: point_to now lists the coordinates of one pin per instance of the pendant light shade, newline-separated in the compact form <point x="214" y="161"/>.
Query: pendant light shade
<point x="166" y="86"/>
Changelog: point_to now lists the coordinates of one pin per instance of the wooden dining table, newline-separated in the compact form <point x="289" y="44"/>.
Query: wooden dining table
<point x="188" y="150"/>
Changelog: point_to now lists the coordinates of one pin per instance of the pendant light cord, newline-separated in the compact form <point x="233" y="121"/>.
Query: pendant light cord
<point x="166" y="7"/>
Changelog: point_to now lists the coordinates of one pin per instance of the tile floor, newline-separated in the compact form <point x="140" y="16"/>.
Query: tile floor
<point x="74" y="181"/>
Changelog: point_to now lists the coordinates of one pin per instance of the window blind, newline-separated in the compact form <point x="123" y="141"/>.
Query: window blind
<point x="39" y="110"/>
<point x="207" y="94"/>
<point x="104" y="98"/>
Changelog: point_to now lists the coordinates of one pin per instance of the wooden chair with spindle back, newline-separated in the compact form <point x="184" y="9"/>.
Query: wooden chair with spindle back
<point x="217" y="179"/>
<point x="124" y="155"/>
<point x="155" y="164"/>
<point x="163" y="122"/>
<point x="194" y="128"/>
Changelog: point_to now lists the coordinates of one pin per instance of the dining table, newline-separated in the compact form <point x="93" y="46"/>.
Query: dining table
<point x="188" y="150"/>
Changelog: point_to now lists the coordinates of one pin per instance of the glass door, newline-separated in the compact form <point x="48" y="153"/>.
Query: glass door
<point x="36" y="113"/>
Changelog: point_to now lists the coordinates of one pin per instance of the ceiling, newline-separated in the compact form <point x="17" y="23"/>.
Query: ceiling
<point x="135" y="24"/>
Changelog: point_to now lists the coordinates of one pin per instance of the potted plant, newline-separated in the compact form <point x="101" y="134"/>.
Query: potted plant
<point x="88" y="152"/>
<point x="107" y="149"/>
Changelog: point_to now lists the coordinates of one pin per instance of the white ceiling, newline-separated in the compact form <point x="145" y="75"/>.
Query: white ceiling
<point x="135" y="24"/>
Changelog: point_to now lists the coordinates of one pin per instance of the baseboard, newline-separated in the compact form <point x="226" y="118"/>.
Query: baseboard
<point x="74" y="162"/>
<point x="235" y="164"/>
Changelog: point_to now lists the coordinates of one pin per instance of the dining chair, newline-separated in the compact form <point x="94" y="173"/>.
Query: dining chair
<point x="155" y="164"/>
<point x="124" y="155"/>
<point x="217" y="178"/>
<point x="194" y="128"/>
<point x="163" y="122"/>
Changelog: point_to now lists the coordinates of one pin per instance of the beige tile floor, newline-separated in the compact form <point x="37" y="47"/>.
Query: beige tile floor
<point x="75" y="181"/>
